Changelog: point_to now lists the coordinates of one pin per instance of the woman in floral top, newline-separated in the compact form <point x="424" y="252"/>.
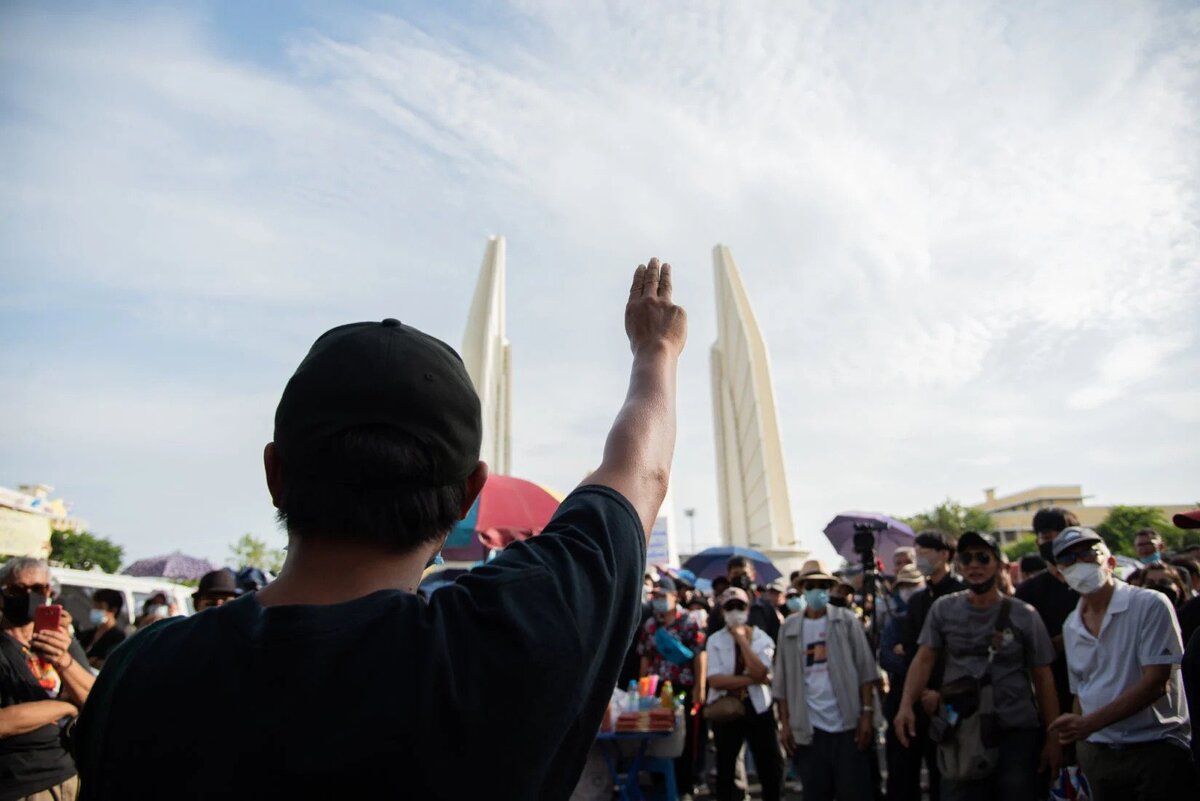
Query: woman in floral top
<point x="686" y="675"/>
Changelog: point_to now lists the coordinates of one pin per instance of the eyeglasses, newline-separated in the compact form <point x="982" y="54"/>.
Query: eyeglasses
<point x="980" y="557"/>
<point x="1090" y="555"/>
<point x="14" y="590"/>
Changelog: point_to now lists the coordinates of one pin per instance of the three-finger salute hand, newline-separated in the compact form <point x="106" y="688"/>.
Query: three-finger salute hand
<point x="651" y="318"/>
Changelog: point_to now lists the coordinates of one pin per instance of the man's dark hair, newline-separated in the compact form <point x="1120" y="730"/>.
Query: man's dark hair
<point x="114" y="600"/>
<point x="366" y="485"/>
<point x="1032" y="563"/>
<point x="738" y="561"/>
<point x="1190" y="565"/>
<point x="1152" y="533"/>
<point x="938" y="540"/>
<point x="719" y="585"/>
<point x="1053" y="518"/>
<point x="792" y="578"/>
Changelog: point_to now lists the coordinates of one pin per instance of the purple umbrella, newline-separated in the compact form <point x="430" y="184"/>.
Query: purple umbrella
<point x="174" y="566"/>
<point x="891" y="536"/>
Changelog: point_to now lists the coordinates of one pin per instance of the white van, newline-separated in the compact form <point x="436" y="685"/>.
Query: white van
<point x="75" y="588"/>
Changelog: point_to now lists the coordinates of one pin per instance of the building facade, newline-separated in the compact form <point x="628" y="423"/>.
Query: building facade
<point x="1013" y="514"/>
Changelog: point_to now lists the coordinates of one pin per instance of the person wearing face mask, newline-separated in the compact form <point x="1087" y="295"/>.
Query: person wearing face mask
<point x="686" y="675"/>
<point x="823" y="681"/>
<point x="1050" y="595"/>
<point x="963" y="627"/>
<point x="794" y="603"/>
<point x="106" y="632"/>
<point x="1150" y="549"/>
<point x="904" y="763"/>
<point x="739" y="663"/>
<point x="934" y="557"/>
<point x="1129" y="720"/>
<point x="44" y="682"/>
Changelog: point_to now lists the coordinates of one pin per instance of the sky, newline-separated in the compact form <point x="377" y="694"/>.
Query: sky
<point x="970" y="232"/>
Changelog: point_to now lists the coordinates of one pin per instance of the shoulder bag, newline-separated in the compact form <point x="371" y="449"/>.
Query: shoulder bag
<point x="732" y="705"/>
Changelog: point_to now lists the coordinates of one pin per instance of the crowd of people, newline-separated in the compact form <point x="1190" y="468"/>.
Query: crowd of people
<point x="337" y="680"/>
<point x="999" y="687"/>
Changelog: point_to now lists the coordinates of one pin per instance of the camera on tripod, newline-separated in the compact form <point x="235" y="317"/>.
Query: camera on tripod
<point x="864" y="541"/>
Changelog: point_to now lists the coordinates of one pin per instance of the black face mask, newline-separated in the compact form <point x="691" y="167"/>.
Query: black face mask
<point x="837" y="600"/>
<point x="1046" y="551"/>
<point x="742" y="582"/>
<point x="983" y="586"/>
<point x="18" y="609"/>
<point x="1166" y="590"/>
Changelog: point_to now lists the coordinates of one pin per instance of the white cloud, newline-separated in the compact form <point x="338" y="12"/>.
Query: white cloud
<point x="969" y="229"/>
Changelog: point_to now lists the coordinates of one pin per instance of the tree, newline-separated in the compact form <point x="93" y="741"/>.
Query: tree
<point x="83" y="550"/>
<point x="952" y="518"/>
<point x="250" y="551"/>
<point x="1123" y="522"/>
<point x="1022" y="547"/>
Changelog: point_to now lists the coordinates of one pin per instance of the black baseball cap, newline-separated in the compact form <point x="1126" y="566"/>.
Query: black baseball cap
<point x="386" y="374"/>
<point x="975" y="539"/>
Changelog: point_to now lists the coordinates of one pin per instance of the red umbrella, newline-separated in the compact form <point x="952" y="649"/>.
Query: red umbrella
<point x="508" y="509"/>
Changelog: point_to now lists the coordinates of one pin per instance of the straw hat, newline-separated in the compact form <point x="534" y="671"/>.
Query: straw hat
<point x="815" y="570"/>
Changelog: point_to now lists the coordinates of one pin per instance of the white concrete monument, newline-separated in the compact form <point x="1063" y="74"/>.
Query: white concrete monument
<point x="755" y="509"/>
<point x="488" y="357"/>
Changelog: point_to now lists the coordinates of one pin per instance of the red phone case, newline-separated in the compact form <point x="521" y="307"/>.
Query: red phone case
<point x="47" y="617"/>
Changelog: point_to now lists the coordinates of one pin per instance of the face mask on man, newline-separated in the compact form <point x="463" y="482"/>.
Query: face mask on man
<point x="905" y="593"/>
<point x="736" y="617"/>
<point x="980" y="587"/>
<point x="1152" y="559"/>
<point x="1167" y="590"/>
<point x="160" y="610"/>
<point x="97" y="616"/>
<point x="18" y="608"/>
<point x="1046" y="551"/>
<point x="925" y="565"/>
<point x="816" y="600"/>
<point x="1084" y="578"/>
<point x="795" y="603"/>
<point x="660" y="605"/>
<point x="840" y="601"/>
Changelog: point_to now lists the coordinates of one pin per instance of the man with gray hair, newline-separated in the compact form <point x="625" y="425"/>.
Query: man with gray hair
<point x="43" y="683"/>
<point x="1123" y="648"/>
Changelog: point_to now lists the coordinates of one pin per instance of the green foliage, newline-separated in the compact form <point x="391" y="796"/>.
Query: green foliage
<point x="1022" y="547"/>
<point x="953" y="518"/>
<point x="83" y="550"/>
<point x="1123" y="522"/>
<point x="250" y="551"/>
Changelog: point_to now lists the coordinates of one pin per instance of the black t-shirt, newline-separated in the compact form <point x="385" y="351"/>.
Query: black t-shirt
<point x="1191" y="685"/>
<point x="101" y="648"/>
<point x="36" y="760"/>
<point x="494" y="688"/>
<point x="1189" y="618"/>
<point x="1054" y="602"/>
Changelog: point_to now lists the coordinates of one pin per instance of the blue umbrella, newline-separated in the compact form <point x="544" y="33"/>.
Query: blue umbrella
<point x="710" y="563"/>
<point x="891" y="536"/>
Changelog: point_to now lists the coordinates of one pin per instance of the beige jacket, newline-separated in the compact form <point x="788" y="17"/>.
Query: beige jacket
<point x="851" y="665"/>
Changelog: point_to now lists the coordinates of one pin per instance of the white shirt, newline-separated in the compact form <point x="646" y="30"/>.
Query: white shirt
<point x="818" y="689"/>
<point x="722" y="656"/>
<point x="1139" y="629"/>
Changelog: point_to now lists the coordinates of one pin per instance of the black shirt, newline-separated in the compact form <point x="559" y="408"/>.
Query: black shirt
<point x="1189" y="618"/>
<point x="918" y="610"/>
<point x="100" y="649"/>
<point x="1191" y="685"/>
<point x="494" y="688"/>
<point x="36" y="760"/>
<point x="1054" y="602"/>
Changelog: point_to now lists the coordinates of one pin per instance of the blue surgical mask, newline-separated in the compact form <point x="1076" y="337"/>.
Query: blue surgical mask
<point x="795" y="603"/>
<point x="661" y="605"/>
<point x="97" y="617"/>
<point x="817" y="600"/>
<point x="1152" y="559"/>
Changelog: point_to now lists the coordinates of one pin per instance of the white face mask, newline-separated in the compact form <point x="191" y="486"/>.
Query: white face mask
<point x="1085" y="578"/>
<point x="906" y="592"/>
<point x="737" y="618"/>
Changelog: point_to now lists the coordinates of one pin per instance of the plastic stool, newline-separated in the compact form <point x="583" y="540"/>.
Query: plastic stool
<point x="665" y="767"/>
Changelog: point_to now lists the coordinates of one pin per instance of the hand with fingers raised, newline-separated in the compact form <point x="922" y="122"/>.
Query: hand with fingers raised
<point x="652" y="320"/>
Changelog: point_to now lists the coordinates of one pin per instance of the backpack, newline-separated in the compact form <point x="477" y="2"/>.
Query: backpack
<point x="965" y="729"/>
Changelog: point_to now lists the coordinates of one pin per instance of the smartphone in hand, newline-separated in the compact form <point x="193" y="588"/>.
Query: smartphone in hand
<point x="47" y="618"/>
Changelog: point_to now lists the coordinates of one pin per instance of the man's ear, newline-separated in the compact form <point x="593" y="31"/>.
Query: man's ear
<point x="475" y="482"/>
<point x="274" y="469"/>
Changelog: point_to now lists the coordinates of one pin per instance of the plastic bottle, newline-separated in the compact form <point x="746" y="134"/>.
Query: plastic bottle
<point x="667" y="697"/>
<point x="633" y="699"/>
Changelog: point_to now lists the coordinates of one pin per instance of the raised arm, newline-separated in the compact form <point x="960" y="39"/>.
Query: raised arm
<point x="638" y="452"/>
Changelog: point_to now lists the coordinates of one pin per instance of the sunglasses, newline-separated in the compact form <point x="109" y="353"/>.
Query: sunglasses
<point x="1091" y="556"/>
<point x="979" y="557"/>
<point x="735" y="606"/>
<point x="14" y="590"/>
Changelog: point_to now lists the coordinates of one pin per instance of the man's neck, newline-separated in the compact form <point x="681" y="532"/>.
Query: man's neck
<point x="668" y="617"/>
<point x="22" y="634"/>
<point x="938" y="575"/>
<point x="1096" y="603"/>
<point x="323" y="571"/>
<point x="814" y="614"/>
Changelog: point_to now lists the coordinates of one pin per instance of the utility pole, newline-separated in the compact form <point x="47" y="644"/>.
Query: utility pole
<point x="690" y="514"/>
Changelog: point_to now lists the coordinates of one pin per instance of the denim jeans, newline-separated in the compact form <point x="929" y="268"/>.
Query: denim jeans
<point x="833" y="767"/>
